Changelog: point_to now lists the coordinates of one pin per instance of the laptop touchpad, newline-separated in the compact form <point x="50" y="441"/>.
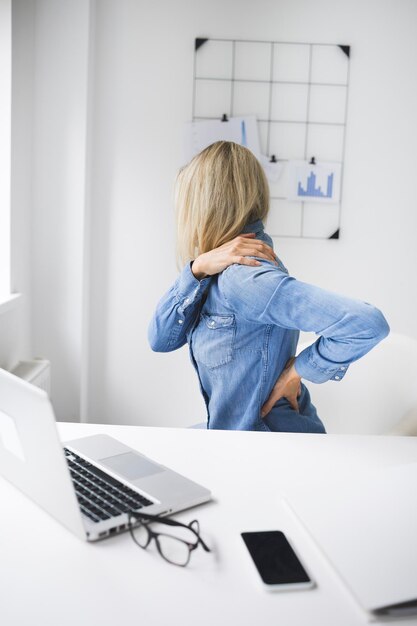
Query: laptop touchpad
<point x="131" y="465"/>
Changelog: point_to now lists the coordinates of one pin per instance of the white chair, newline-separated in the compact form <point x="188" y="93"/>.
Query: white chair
<point x="378" y="394"/>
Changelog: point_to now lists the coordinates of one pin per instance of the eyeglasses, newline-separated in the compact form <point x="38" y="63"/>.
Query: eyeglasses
<point x="174" y="549"/>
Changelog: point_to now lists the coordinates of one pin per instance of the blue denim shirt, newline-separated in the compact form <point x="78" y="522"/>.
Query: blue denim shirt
<point x="242" y="326"/>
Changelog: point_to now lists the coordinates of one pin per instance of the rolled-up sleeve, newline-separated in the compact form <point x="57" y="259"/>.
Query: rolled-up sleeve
<point x="176" y="312"/>
<point x="348" y="328"/>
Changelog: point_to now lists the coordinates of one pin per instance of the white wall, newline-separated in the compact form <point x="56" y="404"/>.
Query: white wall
<point x="143" y="93"/>
<point x="5" y="137"/>
<point x="141" y="90"/>
<point x="15" y="322"/>
<point x="58" y="192"/>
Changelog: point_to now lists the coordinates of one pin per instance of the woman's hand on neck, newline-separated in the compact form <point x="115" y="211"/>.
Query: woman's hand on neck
<point x="238" y="250"/>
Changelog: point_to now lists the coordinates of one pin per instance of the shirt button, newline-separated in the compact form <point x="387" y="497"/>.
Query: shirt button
<point x="343" y="368"/>
<point x="180" y="322"/>
<point x="337" y="377"/>
<point x="186" y="301"/>
<point x="212" y="324"/>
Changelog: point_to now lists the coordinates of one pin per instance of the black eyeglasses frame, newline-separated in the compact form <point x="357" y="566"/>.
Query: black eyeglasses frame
<point x="136" y="518"/>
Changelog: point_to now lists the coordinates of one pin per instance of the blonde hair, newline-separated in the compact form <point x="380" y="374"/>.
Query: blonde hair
<point x="221" y="190"/>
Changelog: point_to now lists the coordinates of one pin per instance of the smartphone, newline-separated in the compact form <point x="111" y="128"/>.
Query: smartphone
<point x="276" y="562"/>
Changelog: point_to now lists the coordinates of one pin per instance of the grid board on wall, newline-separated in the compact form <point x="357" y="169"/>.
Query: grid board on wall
<point x="298" y="93"/>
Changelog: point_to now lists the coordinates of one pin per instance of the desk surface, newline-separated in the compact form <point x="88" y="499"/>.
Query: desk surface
<point x="50" y="578"/>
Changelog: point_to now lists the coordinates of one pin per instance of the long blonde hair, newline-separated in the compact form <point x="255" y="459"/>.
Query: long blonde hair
<point x="222" y="189"/>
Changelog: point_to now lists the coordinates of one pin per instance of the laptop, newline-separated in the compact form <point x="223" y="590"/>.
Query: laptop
<point x="365" y="526"/>
<point x="89" y="485"/>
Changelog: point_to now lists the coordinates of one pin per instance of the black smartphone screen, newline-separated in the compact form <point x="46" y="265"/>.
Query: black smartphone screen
<point x="274" y="558"/>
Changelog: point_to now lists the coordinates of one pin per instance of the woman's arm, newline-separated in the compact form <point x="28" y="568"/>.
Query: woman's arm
<point x="177" y="310"/>
<point x="348" y="328"/>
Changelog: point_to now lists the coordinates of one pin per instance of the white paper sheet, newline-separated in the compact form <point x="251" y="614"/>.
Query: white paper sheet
<point x="314" y="183"/>
<point x="241" y="130"/>
<point x="273" y="169"/>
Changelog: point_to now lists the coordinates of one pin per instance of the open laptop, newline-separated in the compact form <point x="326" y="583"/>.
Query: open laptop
<point x="91" y="484"/>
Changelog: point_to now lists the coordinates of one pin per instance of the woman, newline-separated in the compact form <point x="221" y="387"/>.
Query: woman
<point x="240" y="311"/>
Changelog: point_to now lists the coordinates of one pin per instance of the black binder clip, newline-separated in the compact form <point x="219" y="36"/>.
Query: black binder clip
<point x="313" y="161"/>
<point x="273" y="159"/>
<point x="224" y="118"/>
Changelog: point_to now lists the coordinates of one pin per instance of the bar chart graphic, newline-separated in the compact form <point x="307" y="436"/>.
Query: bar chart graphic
<point x="312" y="183"/>
<point x="314" y="191"/>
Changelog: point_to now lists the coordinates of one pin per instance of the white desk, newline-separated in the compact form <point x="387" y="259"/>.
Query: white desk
<point x="50" y="578"/>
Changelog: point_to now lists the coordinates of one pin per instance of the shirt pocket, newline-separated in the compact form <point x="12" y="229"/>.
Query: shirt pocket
<point x="213" y="338"/>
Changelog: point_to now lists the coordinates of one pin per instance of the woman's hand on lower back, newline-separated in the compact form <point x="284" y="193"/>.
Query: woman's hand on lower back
<point x="238" y="250"/>
<point x="287" y="386"/>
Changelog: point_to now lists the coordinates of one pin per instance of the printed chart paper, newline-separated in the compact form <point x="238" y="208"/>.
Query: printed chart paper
<point x="241" y="130"/>
<point x="314" y="183"/>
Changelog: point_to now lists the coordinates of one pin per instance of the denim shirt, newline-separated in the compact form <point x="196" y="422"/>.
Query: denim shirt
<point x="242" y="326"/>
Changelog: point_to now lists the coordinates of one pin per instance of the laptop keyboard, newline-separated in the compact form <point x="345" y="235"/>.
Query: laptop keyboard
<point x="99" y="495"/>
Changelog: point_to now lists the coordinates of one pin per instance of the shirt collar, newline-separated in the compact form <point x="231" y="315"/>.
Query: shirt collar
<point x="256" y="227"/>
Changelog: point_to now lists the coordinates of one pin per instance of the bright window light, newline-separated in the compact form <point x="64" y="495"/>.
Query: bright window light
<point x="5" y="143"/>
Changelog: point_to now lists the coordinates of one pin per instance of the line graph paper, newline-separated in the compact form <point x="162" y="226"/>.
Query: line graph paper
<point x="299" y="94"/>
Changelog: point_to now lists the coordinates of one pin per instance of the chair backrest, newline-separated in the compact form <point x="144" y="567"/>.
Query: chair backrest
<point x="377" y="392"/>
